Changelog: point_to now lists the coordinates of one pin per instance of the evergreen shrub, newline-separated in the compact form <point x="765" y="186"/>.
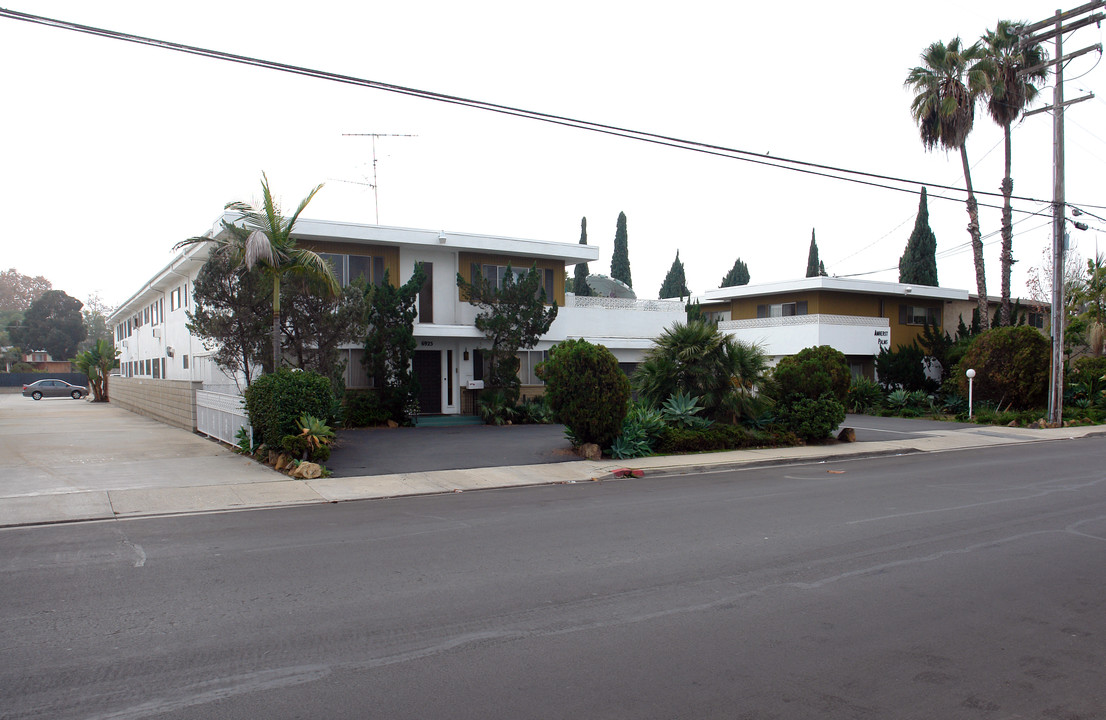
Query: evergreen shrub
<point x="1011" y="365"/>
<point x="275" y="402"/>
<point x="720" y="437"/>
<point x="586" y="390"/>
<point x="812" y="419"/>
<point x="363" y="408"/>
<point x="813" y="372"/>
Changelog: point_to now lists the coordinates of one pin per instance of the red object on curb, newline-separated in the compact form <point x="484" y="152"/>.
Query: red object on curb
<point x="627" y="472"/>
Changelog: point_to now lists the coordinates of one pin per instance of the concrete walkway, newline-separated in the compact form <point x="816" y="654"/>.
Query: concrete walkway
<point x="67" y="460"/>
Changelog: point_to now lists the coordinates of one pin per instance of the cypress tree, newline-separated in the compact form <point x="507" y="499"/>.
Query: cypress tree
<point x="738" y="275"/>
<point x="814" y="266"/>
<point x="675" y="283"/>
<point x="620" y="262"/>
<point x="918" y="263"/>
<point x="580" y="280"/>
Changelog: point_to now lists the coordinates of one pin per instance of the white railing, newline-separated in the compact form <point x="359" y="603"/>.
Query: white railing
<point x="609" y="303"/>
<point x="818" y="319"/>
<point x="220" y="416"/>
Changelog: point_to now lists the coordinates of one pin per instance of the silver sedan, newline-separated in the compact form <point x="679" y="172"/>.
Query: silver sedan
<point x="53" y="388"/>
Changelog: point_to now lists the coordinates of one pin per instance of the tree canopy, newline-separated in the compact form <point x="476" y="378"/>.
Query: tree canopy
<point x="580" y="285"/>
<point x="512" y="316"/>
<point x="390" y="343"/>
<point x="738" y="275"/>
<point x="620" y="261"/>
<point x="814" y="266"/>
<point x="18" y="291"/>
<point x="675" y="283"/>
<point x="918" y="263"/>
<point x="53" y="323"/>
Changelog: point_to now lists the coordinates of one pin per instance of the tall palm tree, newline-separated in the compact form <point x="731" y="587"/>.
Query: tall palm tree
<point x="946" y="86"/>
<point x="271" y="246"/>
<point x="1008" y="91"/>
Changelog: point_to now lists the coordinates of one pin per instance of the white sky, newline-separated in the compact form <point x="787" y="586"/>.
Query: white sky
<point x="112" y="152"/>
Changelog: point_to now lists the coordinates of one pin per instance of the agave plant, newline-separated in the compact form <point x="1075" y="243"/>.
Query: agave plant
<point x="314" y="438"/>
<point x="898" y="399"/>
<point x="682" y="410"/>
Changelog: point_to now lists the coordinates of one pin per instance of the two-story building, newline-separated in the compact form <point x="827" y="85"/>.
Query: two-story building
<point x="151" y="326"/>
<point x="857" y="317"/>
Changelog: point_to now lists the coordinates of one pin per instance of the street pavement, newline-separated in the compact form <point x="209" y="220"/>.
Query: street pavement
<point x="66" y="460"/>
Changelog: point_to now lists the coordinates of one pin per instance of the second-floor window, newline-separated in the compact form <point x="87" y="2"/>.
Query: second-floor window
<point x="348" y="268"/>
<point x="496" y="274"/>
<point x="915" y="315"/>
<point x="782" y="309"/>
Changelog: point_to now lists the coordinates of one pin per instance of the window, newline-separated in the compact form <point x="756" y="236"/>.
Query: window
<point x="496" y="274"/>
<point x="175" y="300"/>
<point x="782" y="309"/>
<point x="426" y="295"/>
<point x="157" y="368"/>
<point x="1036" y="319"/>
<point x="184" y="361"/>
<point x="527" y="361"/>
<point x="337" y="265"/>
<point x="149" y="368"/>
<point x="367" y="267"/>
<point x="915" y="315"/>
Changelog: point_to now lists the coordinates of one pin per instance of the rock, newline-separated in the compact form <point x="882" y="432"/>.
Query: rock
<point x="847" y="435"/>
<point x="590" y="451"/>
<point x="393" y="424"/>
<point x="307" y="471"/>
<point x="282" y="462"/>
<point x="1012" y="423"/>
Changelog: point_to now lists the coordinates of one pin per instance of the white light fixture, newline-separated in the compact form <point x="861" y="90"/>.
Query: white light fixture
<point x="441" y="236"/>
<point x="971" y="376"/>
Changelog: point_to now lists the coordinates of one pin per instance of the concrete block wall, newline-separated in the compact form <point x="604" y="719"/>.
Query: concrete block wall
<point x="172" y="402"/>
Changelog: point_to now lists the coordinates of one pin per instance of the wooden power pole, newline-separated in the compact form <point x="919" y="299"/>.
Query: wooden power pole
<point x="1055" y="28"/>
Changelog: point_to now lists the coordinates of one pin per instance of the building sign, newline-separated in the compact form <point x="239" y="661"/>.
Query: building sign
<point x="883" y="338"/>
<point x="427" y="343"/>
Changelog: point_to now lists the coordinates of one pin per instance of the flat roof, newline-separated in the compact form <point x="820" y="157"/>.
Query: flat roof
<point x="832" y="284"/>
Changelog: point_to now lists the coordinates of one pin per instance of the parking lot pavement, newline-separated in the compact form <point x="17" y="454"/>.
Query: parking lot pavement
<point x="61" y="447"/>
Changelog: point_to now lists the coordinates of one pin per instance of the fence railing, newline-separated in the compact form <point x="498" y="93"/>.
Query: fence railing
<point x="220" y="416"/>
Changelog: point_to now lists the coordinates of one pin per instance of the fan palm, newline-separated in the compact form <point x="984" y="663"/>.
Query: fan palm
<point x="698" y="359"/>
<point x="271" y="246"/>
<point x="946" y="86"/>
<point x="97" y="363"/>
<point x="1009" y="89"/>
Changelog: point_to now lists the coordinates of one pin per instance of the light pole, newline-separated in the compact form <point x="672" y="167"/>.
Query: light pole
<point x="971" y="376"/>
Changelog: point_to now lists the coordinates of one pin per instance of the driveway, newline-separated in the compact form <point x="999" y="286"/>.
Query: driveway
<point x="386" y="451"/>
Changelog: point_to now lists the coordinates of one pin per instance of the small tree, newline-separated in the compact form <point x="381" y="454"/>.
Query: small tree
<point x="580" y="285"/>
<point x="1011" y="365"/>
<point x="53" y="323"/>
<point x="918" y="263"/>
<point x="620" y="261"/>
<point x="316" y="323"/>
<point x="586" y="390"/>
<point x="390" y="343"/>
<point x="230" y="308"/>
<point x="738" y="275"/>
<point x="675" y="283"/>
<point x="513" y="316"/>
<point x="97" y="363"/>
<point x="814" y="266"/>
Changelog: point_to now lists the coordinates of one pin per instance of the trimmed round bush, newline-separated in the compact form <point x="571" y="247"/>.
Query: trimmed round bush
<point x="1011" y="366"/>
<point x="813" y="372"/>
<point x="275" y="402"/>
<point x="586" y="390"/>
<point x="812" y="419"/>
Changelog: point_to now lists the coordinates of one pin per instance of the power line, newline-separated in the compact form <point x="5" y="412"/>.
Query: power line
<point x="800" y="166"/>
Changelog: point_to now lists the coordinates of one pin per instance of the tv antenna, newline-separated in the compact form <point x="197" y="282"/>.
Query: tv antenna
<point x="373" y="185"/>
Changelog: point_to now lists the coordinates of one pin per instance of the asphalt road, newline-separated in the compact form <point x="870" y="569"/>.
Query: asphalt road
<point x="946" y="585"/>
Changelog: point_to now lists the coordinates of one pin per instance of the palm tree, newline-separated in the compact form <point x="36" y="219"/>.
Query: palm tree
<point x="1009" y="89"/>
<point x="97" y="363"/>
<point x="698" y="359"/>
<point x="271" y="246"/>
<point x="946" y="87"/>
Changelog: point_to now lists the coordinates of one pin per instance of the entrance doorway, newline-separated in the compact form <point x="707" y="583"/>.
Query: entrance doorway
<point x="428" y="371"/>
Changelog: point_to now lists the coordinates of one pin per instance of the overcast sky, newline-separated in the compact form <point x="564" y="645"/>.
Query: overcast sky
<point x="113" y="152"/>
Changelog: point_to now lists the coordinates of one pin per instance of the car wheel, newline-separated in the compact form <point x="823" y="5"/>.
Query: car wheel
<point x="36" y="395"/>
<point x="76" y="394"/>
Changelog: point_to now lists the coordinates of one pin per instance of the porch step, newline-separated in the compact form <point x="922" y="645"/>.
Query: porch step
<point x="447" y="420"/>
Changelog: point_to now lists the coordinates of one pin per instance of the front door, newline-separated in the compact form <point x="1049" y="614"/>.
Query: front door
<point x="428" y="371"/>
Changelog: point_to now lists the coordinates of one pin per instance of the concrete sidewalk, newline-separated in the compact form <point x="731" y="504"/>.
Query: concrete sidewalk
<point x="69" y="461"/>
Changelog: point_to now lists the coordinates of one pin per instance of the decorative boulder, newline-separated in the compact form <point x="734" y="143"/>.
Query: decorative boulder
<point x="307" y="471"/>
<point x="590" y="451"/>
<point x="847" y="435"/>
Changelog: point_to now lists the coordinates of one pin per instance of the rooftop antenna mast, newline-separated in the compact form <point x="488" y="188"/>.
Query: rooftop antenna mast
<point x="374" y="136"/>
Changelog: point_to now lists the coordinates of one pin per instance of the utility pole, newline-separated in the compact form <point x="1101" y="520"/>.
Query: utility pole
<point x="1059" y="234"/>
<point x="374" y="136"/>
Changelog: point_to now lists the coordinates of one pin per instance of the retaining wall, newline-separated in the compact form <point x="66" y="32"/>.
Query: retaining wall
<point x="172" y="402"/>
